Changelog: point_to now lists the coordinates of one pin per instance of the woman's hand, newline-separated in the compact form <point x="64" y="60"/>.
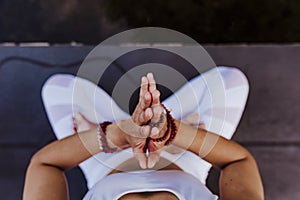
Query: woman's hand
<point x="137" y="128"/>
<point x="148" y="122"/>
<point x="158" y="124"/>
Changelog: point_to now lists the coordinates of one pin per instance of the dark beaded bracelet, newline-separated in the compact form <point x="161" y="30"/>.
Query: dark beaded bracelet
<point x="171" y="127"/>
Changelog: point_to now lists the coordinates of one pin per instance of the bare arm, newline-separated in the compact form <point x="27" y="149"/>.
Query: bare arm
<point x="45" y="174"/>
<point x="240" y="178"/>
<point x="45" y="177"/>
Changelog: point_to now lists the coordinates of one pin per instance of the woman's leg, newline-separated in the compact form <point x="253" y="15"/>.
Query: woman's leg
<point x="64" y="96"/>
<point x="236" y="93"/>
<point x="194" y="97"/>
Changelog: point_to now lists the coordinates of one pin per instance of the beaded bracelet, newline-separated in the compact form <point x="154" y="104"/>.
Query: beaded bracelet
<point x="75" y="126"/>
<point x="171" y="127"/>
<point x="101" y="136"/>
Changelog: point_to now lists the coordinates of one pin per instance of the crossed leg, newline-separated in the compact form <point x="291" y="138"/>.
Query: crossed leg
<point x="60" y="110"/>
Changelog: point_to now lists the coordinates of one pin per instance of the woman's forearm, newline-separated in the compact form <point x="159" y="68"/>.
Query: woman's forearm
<point x="240" y="177"/>
<point x="211" y="147"/>
<point x="45" y="174"/>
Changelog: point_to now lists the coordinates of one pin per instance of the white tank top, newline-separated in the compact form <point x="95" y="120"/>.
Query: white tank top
<point x="187" y="161"/>
<point x="179" y="183"/>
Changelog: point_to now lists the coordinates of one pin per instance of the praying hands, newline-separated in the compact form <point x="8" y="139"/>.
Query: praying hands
<point x="150" y="122"/>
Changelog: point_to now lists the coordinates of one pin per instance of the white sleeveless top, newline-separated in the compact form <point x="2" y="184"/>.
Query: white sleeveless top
<point x="181" y="184"/>
<point x="187" y="161"/>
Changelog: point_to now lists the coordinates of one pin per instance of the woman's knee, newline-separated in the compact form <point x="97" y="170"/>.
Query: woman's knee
<point x="59" y="80"/>
<point x="234" y="73"/>
<point x="234" y="77"/>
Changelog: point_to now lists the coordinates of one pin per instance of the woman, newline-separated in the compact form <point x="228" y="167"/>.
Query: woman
<point x="239" y="179"/>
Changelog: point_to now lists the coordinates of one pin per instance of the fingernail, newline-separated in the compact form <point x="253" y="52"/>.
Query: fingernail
<point x="149" y="112"/>
<point x="144" y="131"/>
<point x="151" y="163"/>
<point x="154" y="132"/>
<point x="148" y="96"/>
<point x="150" y="74"/>
<point x="156" y="93"/>
<point x="142" y="165"/>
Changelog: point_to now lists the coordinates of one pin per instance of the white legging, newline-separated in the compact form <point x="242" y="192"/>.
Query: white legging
<point x="61" y="102"/>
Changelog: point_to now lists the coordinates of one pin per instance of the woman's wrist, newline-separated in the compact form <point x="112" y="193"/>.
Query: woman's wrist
<point x="116" y="137"/>
<point x="169" y="128"/>
<point x="187" y="137"/>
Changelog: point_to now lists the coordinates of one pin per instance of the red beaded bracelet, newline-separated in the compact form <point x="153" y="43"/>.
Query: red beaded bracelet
<point x="101" y="135"/>
<point x="75" y="126"/>
<point x="171" y="127"/>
